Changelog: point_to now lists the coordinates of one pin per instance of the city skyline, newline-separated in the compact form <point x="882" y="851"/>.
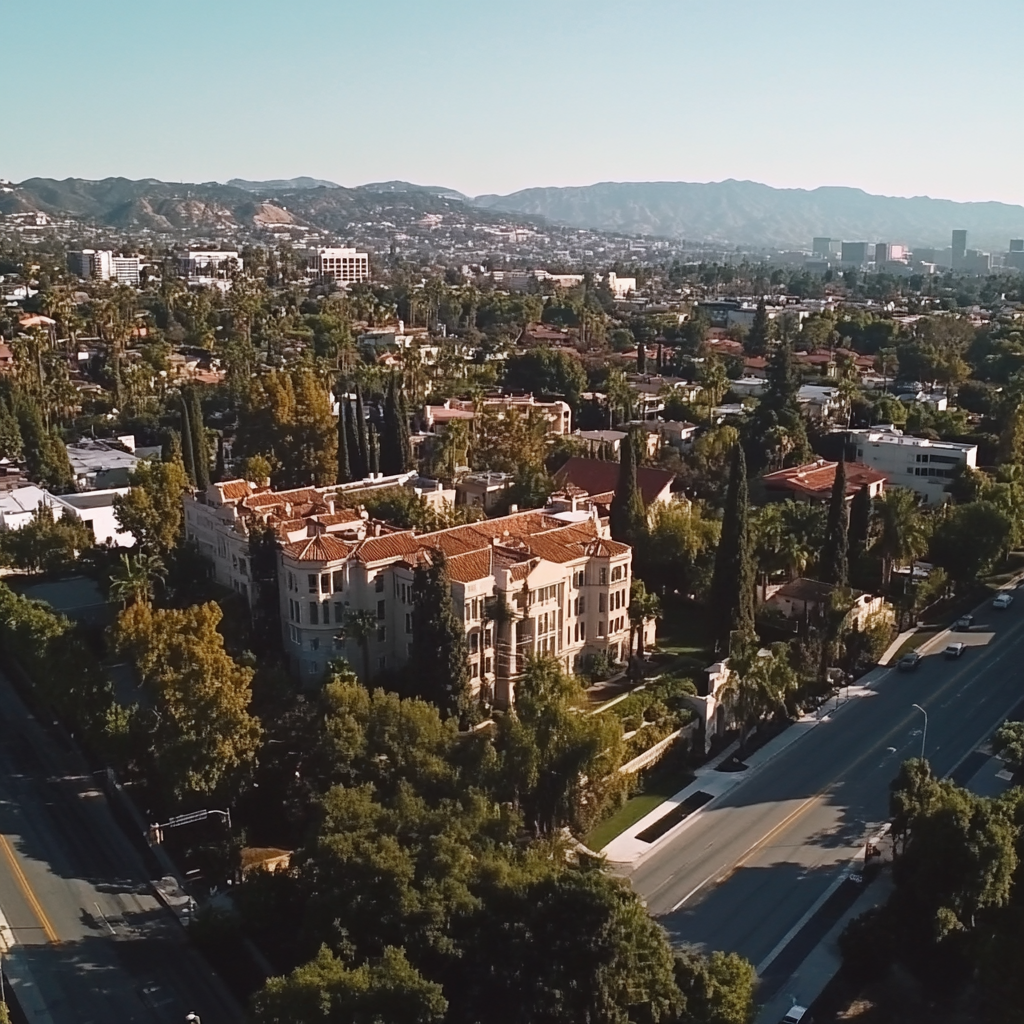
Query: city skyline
<point x="457" y="94"/>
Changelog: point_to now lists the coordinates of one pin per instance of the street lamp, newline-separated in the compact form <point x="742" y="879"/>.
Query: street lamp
<point x="924" y="731"/>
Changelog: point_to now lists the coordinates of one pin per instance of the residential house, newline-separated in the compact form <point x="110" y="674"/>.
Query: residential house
<point x="556" y="415"/>
<point x="599" y="479"/>
<point x="100" y="465"/>
<point x="814" y="481"/>
<point x="800" y="599"/>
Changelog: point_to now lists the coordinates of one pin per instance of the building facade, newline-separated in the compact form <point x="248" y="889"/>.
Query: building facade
<point x="340" y="265"/>
<point x="917" y="463"/>
<point x="546" y="581"/>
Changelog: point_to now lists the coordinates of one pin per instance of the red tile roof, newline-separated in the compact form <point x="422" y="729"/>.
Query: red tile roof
<point x="597" y="477"/>
<point x="321" y="548"/>
<point x="816" y="479"/>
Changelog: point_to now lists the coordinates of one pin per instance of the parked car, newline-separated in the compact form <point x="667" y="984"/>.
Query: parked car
<point x="910" y="661"/>
<point x="1003" y="600"/>
<point x="955" y="650"/>
<point x="796" y="1015"/>
<point x="964" y="623"/>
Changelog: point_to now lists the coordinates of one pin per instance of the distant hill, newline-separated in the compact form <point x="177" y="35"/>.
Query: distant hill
<point x="745" y="212"/>
<point x="281" y="184"/>
<point x="212" y="207"/>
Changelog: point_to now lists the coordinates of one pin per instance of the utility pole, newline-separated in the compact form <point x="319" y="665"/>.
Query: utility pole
<point x="924" y="731"/>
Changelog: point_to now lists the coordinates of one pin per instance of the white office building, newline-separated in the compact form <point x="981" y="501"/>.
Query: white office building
<point x="126" y="269"/>
<point x="917" y="463"/>
<point x="91" y="264"/>
<point x="340" y="265"/>
<point x="201" y="266"/>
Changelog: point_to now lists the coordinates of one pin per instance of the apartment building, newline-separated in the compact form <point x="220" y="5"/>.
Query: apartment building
<point x="564" y="582"/>
<point x="340" y="265"/>
<point x="209" y="266"/>
<point x="557" y="415"/>
<point x="91" y="264"/>
<point x="917" y="463"/>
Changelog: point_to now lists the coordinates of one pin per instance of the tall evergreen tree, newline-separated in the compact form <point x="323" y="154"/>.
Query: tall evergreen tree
<point x="392" y="455"/>
<point x="344" y="463"/>
<point x="188" y="451"/>
<point x="834" y="560"/>
<point x="374" y="446"/>
<point x="355" y="456"/>
<point x="200" y="448"/>
<point x="11" y="446"/>
<point x="860" y="522"/>
<point x="362" y="437"/>
<point x="439" y="651"/>
<point x="756" y="343"/>
<point x="732" y="585"/>
<point x="627" y="517"/>
<point x="404" y="433"/>
<point x="220" y="468"/>
<point x="641" y="357"/>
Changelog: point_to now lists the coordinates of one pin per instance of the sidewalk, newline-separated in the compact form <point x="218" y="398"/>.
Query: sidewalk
<point x="822" y="963"/>
<point x="628" y="849"/>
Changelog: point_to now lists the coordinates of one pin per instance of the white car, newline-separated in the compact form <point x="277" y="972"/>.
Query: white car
<point x="796" y="1015"/>
<point x="1003" y="600"/>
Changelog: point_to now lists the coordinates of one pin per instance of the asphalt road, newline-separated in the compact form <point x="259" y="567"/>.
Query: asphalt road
<point x="749" y="870"/>
<point x="87" y="940"/>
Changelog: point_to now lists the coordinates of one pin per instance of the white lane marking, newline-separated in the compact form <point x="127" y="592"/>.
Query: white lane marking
<point x="103" y="918"/>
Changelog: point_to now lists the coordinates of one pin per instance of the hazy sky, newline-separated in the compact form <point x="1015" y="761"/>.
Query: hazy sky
<point x="902" y="97"/>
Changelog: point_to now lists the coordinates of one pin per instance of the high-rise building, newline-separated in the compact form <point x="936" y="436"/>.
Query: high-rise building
<point x="341" y="265"/>
<point x="91" y="264"/>
<point x="1017" y="245"/>
<point x="881" y="253"/>
<point x="959" y="249"/>
<point x="126" y="269"/>
<point x="854" y="252"/>
<point x="822" y="247"/>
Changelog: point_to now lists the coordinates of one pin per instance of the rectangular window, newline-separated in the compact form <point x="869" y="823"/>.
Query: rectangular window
<point x="378" y="583"/>
<point x="583" y="603"/>
<point x="314" y="644"/>
<point x="488" y="666"/>
<point x="474" y="670"/>
<point x="380" y="610"/>
<point x="602" y="577"/>
<point x="314" y="613"/>
<point x="583" y="631"/>
<point x="312" y="583"/>
<point x="325" y="583"/>
<point x="339" y="612"/>
<point x="474" y="643"/>
<point x="382" y="663"/>
<point x="601" y="602"/>
<point x="339" y="582"/>
<point x="408" y="622"/>
<point x="382" y="634"/>
<point x="600" y="629"/>
<point x="326" y="609"/>
<point x="489" y="637"/>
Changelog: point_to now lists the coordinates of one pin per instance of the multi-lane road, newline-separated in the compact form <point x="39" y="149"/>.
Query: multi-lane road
<point x="748" y="871"/>
<point x="84" y="938"/>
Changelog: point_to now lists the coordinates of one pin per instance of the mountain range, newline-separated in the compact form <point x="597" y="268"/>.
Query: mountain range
<point x="726" y="213"/>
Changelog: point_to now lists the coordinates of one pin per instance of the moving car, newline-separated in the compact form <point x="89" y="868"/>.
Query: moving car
<point x="1003" y="600"/>
<point x="964" y="623"/>
<point x="910" y="661"/>
<point x="955" y="650"/>
<point x="796" y="1015"/>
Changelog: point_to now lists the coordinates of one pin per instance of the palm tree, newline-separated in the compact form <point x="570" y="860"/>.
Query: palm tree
<point x="361" y="625"/>
<point x="714" y="381"/>
<point x="135" y="578"/>
<point x="903" y="533"/>
<point x="642" y="608"/>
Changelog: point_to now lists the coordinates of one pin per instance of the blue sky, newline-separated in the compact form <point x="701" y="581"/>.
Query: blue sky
<point x="900" y="97"/>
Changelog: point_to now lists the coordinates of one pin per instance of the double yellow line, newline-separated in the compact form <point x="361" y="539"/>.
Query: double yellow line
<point x="27" y="892"/>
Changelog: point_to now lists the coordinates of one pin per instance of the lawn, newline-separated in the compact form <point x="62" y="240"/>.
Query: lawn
<point x="915" y="640"/>
<point x="659" y="786"/>
<point x="683" y="639"/>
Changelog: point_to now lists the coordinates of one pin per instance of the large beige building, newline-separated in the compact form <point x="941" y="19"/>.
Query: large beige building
<point x="546" y="581"/>
<point x="339" y="264"/>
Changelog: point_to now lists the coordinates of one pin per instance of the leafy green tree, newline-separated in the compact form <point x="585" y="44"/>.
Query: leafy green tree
<point x="627" y="517"/>
<point x="439" y="650"/>
<point x="201" y="735"/>
<point x="834" y="566"/>
<point x="731" y="598"/>
<point x="968" y="540"/>
<point x="556" y="766"/>
<point x="328" y="991"/>
<point x="643" y="607"/>
<point x="547" y="371"/>
<point x="361" y="626"/>
<point x="718" y="988"/>
<point x="677" y="552"/>
<point x="44" y="544"/>
<point x="778" y="413"/>
<point x="1009" y="744"/>
<point x="11" y="446"/>
<point x="152" y="511"/>
<point x="760" y="335"/>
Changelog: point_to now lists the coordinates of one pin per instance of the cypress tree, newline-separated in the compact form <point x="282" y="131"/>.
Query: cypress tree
<point x="439" y="651"/>
<point x="355" y="458"/>
<point x="732" y="585"/>
<point x="187" y="448"/>
<point x="390" y="437"/>
<point x="404" y="433"/>
<point x="628" y="518"/>
<point x="760" y="331"/>
<point x="361" y="435"/>
<point x="860" y="522"/>
<point x="344" y="464"/>
<point x="200" y="448"/>
<point x="641" y="357"/>
<point x="220" y="469"/>
<point x="834" y="563"/>
<point x="374" y="446"/>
